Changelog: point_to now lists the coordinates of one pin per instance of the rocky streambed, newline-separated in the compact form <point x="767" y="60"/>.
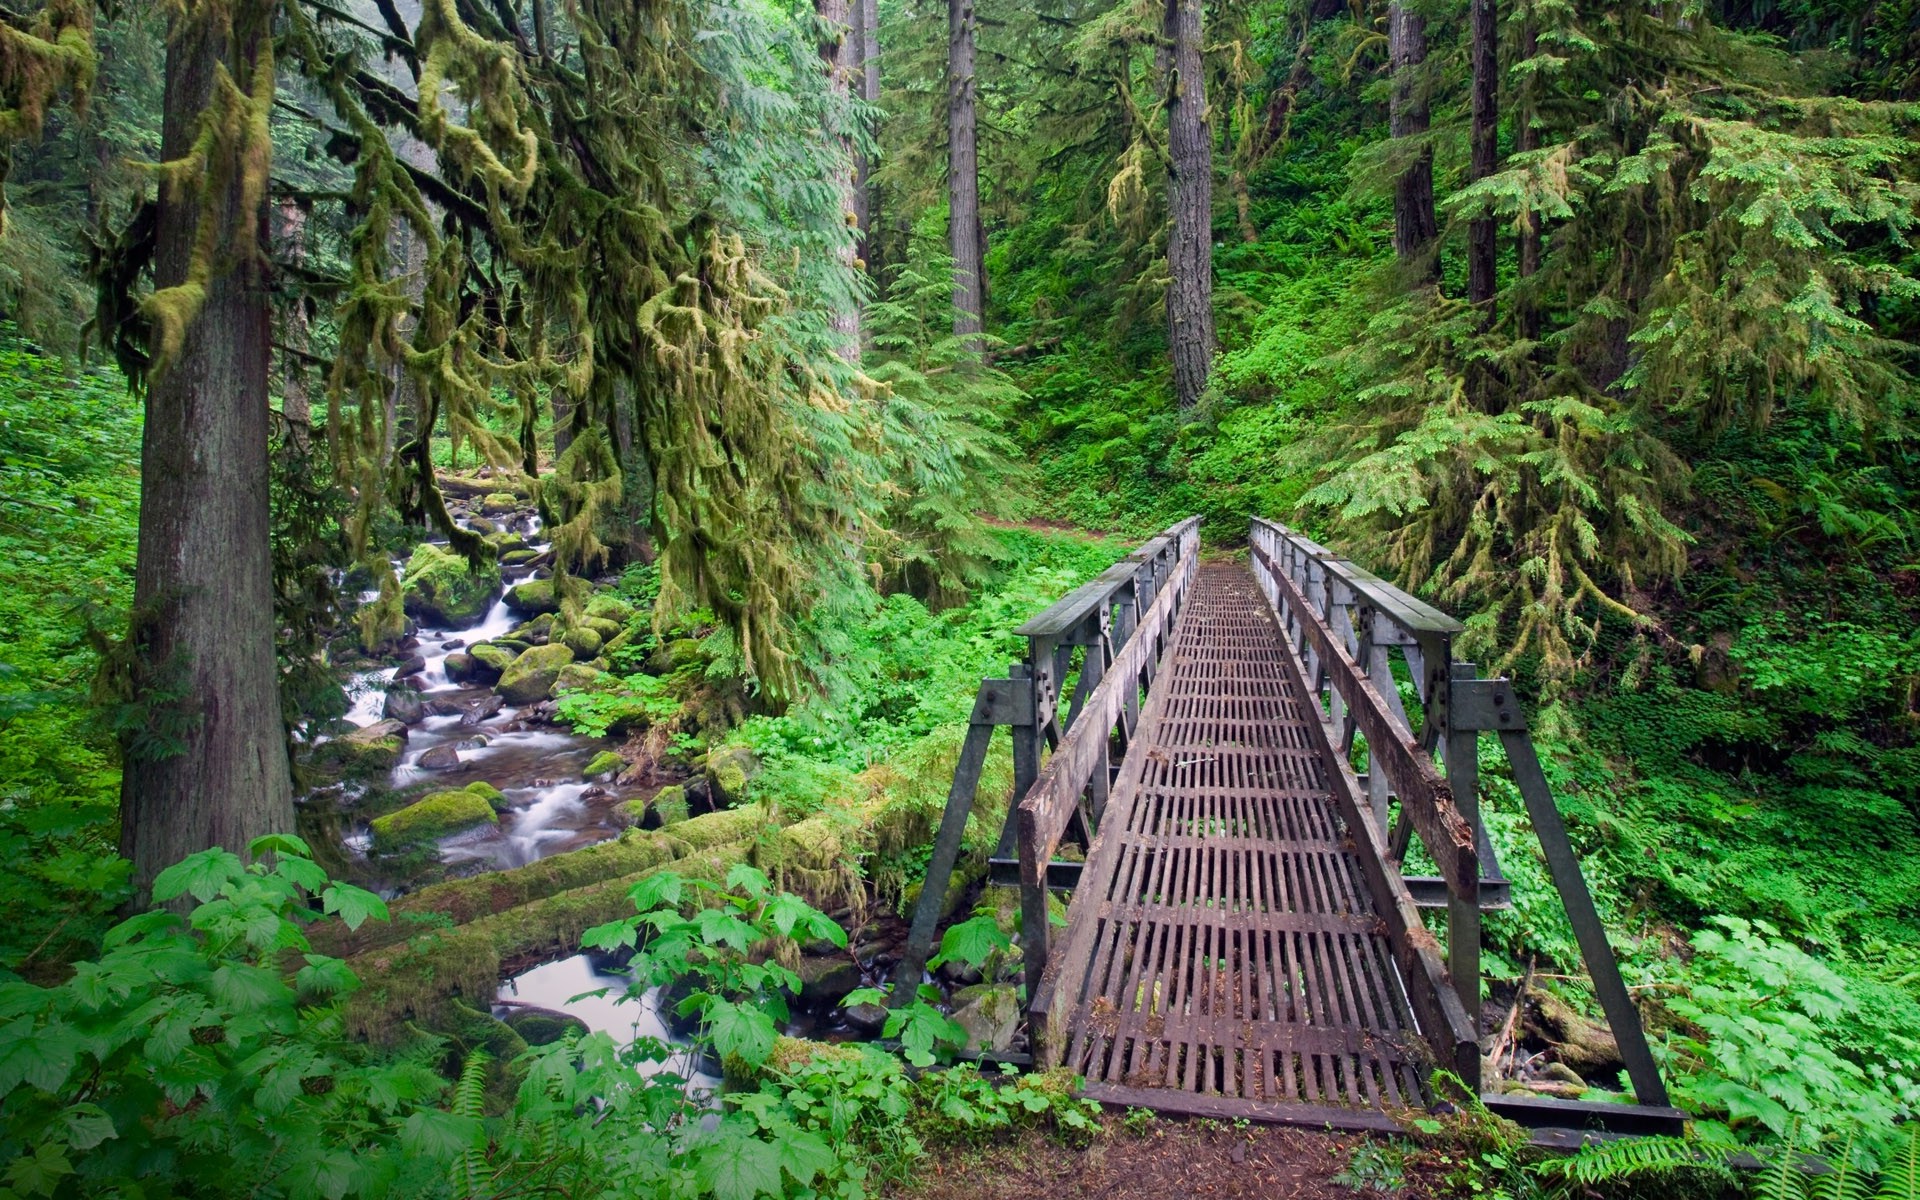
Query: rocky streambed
<point x="499" y="835"/>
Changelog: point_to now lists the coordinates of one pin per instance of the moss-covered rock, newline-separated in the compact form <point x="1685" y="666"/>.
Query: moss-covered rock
<point x="583" y="677"/>
<point x="608" y="630"/>
<point x="529" y="678"/>
<point x="990" y="1013"/>
<point x="491" y="794"/>
<point x="363" y="753"/>
<point x="515" y="558"/>
<point x="490" y="661"/>
<point x="536" y="631"/>
<point x="499" y="502"/>
<point x="609" y="608"/>
<point x="602" y="764"/>
<point x="533" y="597"/>
<point x="672" y="656"/>
<point x="584" y="643"/>
<point x="436" y="815"/>
<point x="460" y="667"/>
<point x="443" y="588"/>
<point x="544" y="1026"/>
<point x="671" y="803"/>
<point x="729" y="770"/>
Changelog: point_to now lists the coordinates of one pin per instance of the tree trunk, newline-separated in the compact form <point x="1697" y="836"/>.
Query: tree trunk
<point x="1483" y="149"/>
<point x="866" y="29"/>
<point x="1190" y="197"/>
<point x="839" y="51"/>
<point x="296" y="405"/>
<point x="1526" y="137"/>
<point x="209" y="766"/>
<point x="1414" y="224"/>
<point x="963" y="178"/>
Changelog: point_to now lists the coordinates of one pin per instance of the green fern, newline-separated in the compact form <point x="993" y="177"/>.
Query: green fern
<point x="1901" y="1179"/>
<point x="1602" y="1162"/>
<point x="469" y="1100"/>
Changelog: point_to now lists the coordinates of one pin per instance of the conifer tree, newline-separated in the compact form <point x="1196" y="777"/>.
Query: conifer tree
<point x="1482" y="251"/>
<point x="963" y="177"/>
<point x="1190" y="201"/>
<point x="1415" y="225"/>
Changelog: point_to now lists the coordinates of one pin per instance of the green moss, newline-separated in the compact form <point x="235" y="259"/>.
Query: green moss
<point x="529" y="678"/>
<point x="499" y="502"/>
<point x="608" y="630"/>
<point x="671" y="803"/>
<point x="584" y="643"/>
<point x="443" y="588"/>
<point x="491" y="794"/>
<point x="533" y="597"/>
<point x="492" y="660"/>
<point x="729" y="770"/>
<point x="435" y="816"/>
<point x="583" y="677"/>
<point x="609" y="608"/>
<point x="515" y="558"/>
<point x="604" y="763"/>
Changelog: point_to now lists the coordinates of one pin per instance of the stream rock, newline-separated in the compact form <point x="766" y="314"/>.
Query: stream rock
<point x="413" y="666"/>
<point x="442" y="588"/>
<point x="580" y="677"/>
<point x="460" y="667"/>
<point x="478" y="711"/>
<point x="728" y="772"/>
<point x="405" y="706"/>
<point x="584" y="643"/>
<point x="869" y="1019"/>
<point x="671" y="803"/>
<point x="826" y="981"/>
<point x="490" y="661"/>
<point x="529" y="678"/>
<point x="543" y="1026"/>
<point x="373" y="750"/>
<point x="990" y="1013"/>
<point x="605" y="764"/>
<point x="435" y="816"/>
<point x="439" y="758"/>
<point x="533" y="597"/>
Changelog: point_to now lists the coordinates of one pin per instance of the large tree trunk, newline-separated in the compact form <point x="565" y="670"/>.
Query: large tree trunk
<point x="963" y="178"/>
<point x="1414" y="223"/>
<point x="1526" y="137"/>
<point x="866" y="31"/>
<point x="209" y="768"/>
<point x="1481" y="252"/>
<point x="839" y="50"/>
<point x="1190" y="197"/>
<point x="296" y="405"/>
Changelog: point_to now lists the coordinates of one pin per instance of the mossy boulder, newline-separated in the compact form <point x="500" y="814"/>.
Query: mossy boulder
<point x="990" y="1013"/>
<point x="728" y="772"/>
<point x="491" y="794"/>
<point x="672" y="656"/>
<point x="533" y="597"/>
<point x="584" y="643"/>
<point x="609" y="608"/>
<point x="608" y="630"/>
<point x="499" y="502"/>
<point x="460" y="666"/>
<point x="529" y="678"/>
<point x="436" y="815"/>
<point x="489" y="661"/>
<point x="373" y="750"/>
<point x="517" y="558"/>
<point x="671" y="803"/>
<point x="602" y="764"/>
<point x="443" y="588"/>
<point x="536" y="631"/>
<point x="544" y="1026"/>
<point x="583" y="677"/>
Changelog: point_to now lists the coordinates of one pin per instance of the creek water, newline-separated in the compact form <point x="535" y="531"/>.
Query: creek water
<point x="580" y="987"/>
<point x="536" y="766"/>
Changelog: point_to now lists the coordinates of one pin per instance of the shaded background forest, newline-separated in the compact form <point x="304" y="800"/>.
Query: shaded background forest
<point x="1665" y="468"/>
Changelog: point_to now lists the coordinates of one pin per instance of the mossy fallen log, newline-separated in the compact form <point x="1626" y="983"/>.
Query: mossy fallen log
<point x="417" y="979"/>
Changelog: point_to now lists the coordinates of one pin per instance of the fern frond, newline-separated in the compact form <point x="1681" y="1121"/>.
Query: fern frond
<point x="1845" y="1181"/>
<point x="469" y="1100"/>
<point x="1783" y="1178"/>
<point x="1600" y="1162"/>
<point x="1901" y="1180"/>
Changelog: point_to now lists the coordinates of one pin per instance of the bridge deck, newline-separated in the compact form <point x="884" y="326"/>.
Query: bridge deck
<point x="1238" y="966"/>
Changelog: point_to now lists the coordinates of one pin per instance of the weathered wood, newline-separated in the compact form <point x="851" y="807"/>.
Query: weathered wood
<point x="1424" y="796"/>
<point x="1564" y="866"/>
<point x="946" y="851"/>
<point x="1463" y="915"/>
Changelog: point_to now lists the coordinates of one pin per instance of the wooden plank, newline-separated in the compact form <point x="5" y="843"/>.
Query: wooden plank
<point x="1424" y="795"/>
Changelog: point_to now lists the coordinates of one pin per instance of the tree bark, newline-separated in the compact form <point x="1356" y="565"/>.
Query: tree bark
<point x="1526" y="138"/>
<point x="1414" y="224"/>
<point x="839" y="51"/>
<point x="210" y="766"/>
<point x="1483" y="150"/>
<point x="866" y="30"/>
<point x="1190" y="198"/>
<point x="963" y="179"/>
<point x="296" y="405"/>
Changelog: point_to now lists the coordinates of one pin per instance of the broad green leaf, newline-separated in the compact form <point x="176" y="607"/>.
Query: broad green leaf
<point x="200" y="875"/>
<point x="353" y="904"/>
<point x="972" y="942"/>
<point x="803" y="1155"/>
<point x="611" y="935"/>
<point x="278" y="843"/>
<point x="750" y="879"/>
<point x="245" y="988"/>
<point x="741" y="1031"/>
<point x="324" y="976"/>
<point x="656" y="890"/>
<point x="734" y="1166"/>
<point x="87" y="1126"/>
<point x="42" y="1057"/>
<point x="302" y="873"/>
<point x="441" y="1135"/>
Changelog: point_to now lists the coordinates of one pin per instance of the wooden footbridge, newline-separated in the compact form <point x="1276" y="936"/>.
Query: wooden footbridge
<point x="1229" y="745"/>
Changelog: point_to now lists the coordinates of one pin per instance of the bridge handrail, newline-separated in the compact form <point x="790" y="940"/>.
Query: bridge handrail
<point x="1081" y="761"/>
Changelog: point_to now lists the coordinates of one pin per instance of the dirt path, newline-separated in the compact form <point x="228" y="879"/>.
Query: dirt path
<point x="1168" y="1160"/>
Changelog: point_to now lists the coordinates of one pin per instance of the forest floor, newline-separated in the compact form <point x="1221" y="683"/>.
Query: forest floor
<point x="1167" y="1160"/>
